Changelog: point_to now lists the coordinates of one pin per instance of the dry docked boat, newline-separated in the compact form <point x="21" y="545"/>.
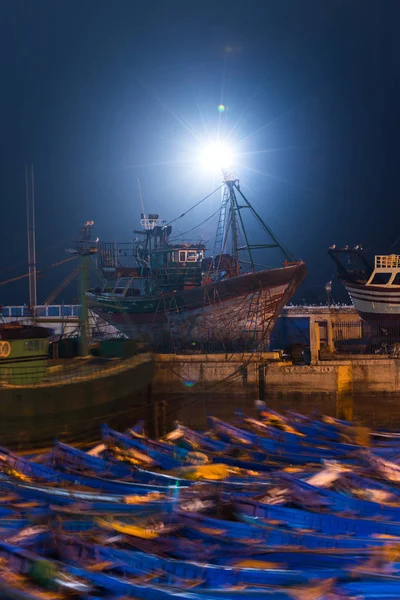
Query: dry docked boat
<point x="375" y="291"/>
<point x="165" y="292"/>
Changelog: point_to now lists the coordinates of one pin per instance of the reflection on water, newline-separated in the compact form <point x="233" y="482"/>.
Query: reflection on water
<point x="345" y="407"/>
<point x="371" y="410"/>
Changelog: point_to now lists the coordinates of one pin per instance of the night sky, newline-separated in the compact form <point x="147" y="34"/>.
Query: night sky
<point x="97" y="93"/>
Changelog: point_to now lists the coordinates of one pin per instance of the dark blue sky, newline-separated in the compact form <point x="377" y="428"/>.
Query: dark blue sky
<point x="97" y="93"/>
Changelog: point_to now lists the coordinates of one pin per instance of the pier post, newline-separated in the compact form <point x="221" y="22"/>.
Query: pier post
<point x="329" y="327"/>
<point x="261" y="382"/>
<point x="164" y="417"/>
<point x="150" y="411"/>
<point x="315" y="343"/>
<point x="156" y="427"/>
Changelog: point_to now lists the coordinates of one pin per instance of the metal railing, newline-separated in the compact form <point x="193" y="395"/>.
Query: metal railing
<point x="45" y="310"/>
<point x="208" y="347"/>
<point x="360" y="337"/>
<point x="388" y="261"/>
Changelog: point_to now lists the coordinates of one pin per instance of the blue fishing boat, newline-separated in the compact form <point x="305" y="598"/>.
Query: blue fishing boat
<point x="67" y="457"/>
<point x="271" y="505"/>
<point x="341" y="502"/>
<point x="21" y="562"/>
<point x="161" y="446"/>
<point x="206" y="575"/>
<point x="277" y="450"/>
<point x="83" y="501"/>
<point x="197" y="439"/>
<point x="20" y="466"/>
<point x="163" y="459"/>
<point x="317" y="521"/>
<point x="306" y="442"/>
<point x="255" y="531"/>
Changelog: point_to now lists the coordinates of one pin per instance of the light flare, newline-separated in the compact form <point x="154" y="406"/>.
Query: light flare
<point x="216" y="156"/>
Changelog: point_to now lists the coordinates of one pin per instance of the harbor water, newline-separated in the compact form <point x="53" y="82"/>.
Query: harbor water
<point x="375" y="410"/>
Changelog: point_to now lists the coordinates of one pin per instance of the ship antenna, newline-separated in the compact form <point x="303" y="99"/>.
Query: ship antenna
<point x="30" y="218"/>
<point x="86" y="248"/>
<point x="141" y="198"/>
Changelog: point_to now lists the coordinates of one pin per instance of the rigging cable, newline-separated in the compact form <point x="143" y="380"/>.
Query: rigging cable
<point x="197" y="204"/>
<point x="60" y="262"/>
<point x="196" y="226"/>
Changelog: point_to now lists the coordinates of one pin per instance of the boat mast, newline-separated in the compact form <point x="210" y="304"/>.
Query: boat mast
<point x="141" y="198"/>
<point x="85" y="249"/>
<point x="237" y="225"/>
<point x="31" y="233"/>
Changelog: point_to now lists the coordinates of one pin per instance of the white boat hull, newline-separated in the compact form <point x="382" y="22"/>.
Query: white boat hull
<point x="375" y="302"/>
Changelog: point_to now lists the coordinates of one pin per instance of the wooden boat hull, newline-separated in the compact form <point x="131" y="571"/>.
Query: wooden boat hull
<point x="72" y="411"/>
<point x="211" y="314"/>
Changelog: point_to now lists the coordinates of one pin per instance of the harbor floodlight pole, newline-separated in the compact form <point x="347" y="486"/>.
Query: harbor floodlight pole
<point x="86" y="248"/>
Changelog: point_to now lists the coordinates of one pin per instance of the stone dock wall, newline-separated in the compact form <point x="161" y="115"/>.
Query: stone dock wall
<point x="244" y="373"/>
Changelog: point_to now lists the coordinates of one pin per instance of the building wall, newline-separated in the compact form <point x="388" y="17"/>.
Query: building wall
<point x="315" y="326"/>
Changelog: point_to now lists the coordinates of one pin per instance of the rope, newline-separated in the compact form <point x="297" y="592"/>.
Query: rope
<point x="197" y="204"/>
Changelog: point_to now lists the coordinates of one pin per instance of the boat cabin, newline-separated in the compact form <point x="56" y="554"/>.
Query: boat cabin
<point x="386" y="271"/>
<point x="154" y="265"/>
<point x="24" y="353"/>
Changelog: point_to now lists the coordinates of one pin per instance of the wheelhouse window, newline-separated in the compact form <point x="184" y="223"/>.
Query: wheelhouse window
<point x="34" y="345"/>
<point x="182" y="255"/>
<point x="191" y="255"/>
<point x="381" y="278"/>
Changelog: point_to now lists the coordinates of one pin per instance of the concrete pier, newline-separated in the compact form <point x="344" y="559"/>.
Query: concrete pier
<point x="240" y="373"/>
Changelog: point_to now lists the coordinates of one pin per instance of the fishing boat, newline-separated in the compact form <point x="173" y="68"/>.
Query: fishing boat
<point x="72" y="405"/>
<point x="292" y="453"/>
<point x="22" y="469"/>
<point x="68" y="399"/>
<point x="205" y="575"/>
<point x="255" y="532"/>
<point x="167" y="293"/>
<point x="24" y="575"/>
<point x="374" y="290"/>
<point x="320" y="522"/>
<point x="313" y="531"/>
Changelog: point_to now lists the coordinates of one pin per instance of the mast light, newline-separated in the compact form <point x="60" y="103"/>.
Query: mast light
<point x="216" y="156"/>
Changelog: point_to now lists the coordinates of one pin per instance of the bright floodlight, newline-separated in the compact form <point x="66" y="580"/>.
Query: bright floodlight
<point x="216" y="156"/>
